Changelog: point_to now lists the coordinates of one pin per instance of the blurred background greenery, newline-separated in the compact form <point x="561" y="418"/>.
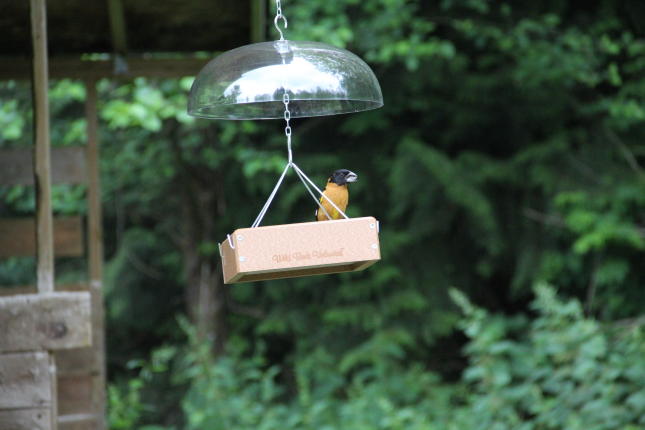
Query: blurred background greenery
<point x="506" y="169"/>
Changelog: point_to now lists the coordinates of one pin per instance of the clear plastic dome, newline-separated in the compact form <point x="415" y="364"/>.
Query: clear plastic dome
<point x="249" y="82"/>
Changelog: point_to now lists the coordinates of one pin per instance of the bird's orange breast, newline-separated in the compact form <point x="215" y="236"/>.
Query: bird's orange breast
<point x="339" y="194"/>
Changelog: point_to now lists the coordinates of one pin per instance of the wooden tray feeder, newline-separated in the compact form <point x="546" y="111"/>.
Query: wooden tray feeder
<point x="293" y="250"/>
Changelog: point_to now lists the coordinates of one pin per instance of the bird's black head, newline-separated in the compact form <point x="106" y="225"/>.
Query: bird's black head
<point x="343" y="177"/>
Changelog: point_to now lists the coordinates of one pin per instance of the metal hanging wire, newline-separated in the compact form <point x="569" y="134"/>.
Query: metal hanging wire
<point x="308" y="183"/>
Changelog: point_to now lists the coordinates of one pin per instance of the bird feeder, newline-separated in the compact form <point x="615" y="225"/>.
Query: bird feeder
<point x="285" y="79"/>
<point x="290" y="250"/>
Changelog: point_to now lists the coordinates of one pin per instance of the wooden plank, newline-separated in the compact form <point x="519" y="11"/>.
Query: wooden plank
<point x="15" y="291"/>
<point x="95" y="251"/>
<point x="75" y="362"/>
<point x="26" y="419"/>
<point x="31" y="289"/>
<point x="98" y="351"/>
<point x="45" y="321"/>
<point x="40" y="80"/>
<point x="76" y="68"/>
<point x="75" y="394"/>
<point x="25" y="380"/>
<point x="67" y="164"/>
<point x="54" y="390"/>
<point x="258" y="20"/>
<point x="94" y="221"/>
<point x="17" y="237"/>
<point x="72" y="287"/>
<point x="117" y="26"/>
<point x="77" y="422"/>
<point x="44" y="218"/>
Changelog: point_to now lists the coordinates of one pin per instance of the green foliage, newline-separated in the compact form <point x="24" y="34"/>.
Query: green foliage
<point x="134" y="402"/>
<point x="244" y="393"/>
<point x="558" y="370"/>
<point x="125" y="407"/>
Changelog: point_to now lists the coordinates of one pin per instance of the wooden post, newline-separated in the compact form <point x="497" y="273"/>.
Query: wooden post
<point x="95" y="249"/>
<point x="258" y="20"/>
<point x="44" y="221"/>
<point x="95" y="235"/>
<point x="117" y="26"/>
<point x="44" y="230"/>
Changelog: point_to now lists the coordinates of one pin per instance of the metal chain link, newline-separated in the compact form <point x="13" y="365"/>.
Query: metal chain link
<point x="278" y="17"/>
<point x="287" y="118"/>
<point x="285" y="96"/>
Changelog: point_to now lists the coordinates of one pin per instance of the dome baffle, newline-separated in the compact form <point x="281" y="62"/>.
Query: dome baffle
<point x="249" y="82"/>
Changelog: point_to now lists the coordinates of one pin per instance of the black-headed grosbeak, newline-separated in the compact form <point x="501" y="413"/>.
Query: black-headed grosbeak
<point x="336" y="190"/>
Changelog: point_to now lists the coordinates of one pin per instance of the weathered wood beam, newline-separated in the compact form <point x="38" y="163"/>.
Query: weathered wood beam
<point x="95" y="251"/>
<point x="258" y="20"/>
<point x="67" y="165"/>
<point x="31" y="289"/>
<point x="45" y="322"/>
<point x="78" y="422"/>
<point x="75" y="394"/>
<point x="76" y="362"/>
<point x="25" y="381"/>
<point x="95" y="233"/>
<point x="40" y="88"/>
<point x="26" y="419"/>
<point x="117" y="26"/>
<point x="17" y="237"/>
<point x="75" y="68"/>
<point x="44" y="236"/>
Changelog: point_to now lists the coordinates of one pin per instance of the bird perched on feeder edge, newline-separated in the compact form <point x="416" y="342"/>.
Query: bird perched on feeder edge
<point x="337" y="191"/>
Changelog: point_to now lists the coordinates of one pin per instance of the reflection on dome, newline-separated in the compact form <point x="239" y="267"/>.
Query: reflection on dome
<point x="299" y="77"/>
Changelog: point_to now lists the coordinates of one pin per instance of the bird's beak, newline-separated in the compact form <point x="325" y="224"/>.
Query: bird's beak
<point x="351" y="177"/>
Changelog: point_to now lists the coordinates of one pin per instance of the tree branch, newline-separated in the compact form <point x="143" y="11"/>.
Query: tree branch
<point x="591" y="287"/>
<point x="624" y="150"/>
<point x="143" y="267"/>
<point x="250" y="311"/>
<point x="630" y="322"/>
<point x="542" y="218"/>
<point x="558" y="221"/>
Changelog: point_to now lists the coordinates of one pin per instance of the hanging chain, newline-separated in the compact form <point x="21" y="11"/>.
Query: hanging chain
<point x="285" y="95"/>
<point x="278" y="17"/>
<point x="287" y="118"/>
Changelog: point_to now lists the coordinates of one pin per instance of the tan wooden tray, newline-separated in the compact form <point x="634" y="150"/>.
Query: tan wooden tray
<point x="292" y="250"/>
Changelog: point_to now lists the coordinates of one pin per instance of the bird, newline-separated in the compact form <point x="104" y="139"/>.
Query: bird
<point x="337" y="191"/>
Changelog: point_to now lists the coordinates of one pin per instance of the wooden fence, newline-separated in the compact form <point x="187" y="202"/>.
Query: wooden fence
<point x="52" y="353"/>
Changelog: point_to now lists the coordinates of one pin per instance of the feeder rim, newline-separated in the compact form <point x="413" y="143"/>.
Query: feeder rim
<point x="197" y="114"/>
